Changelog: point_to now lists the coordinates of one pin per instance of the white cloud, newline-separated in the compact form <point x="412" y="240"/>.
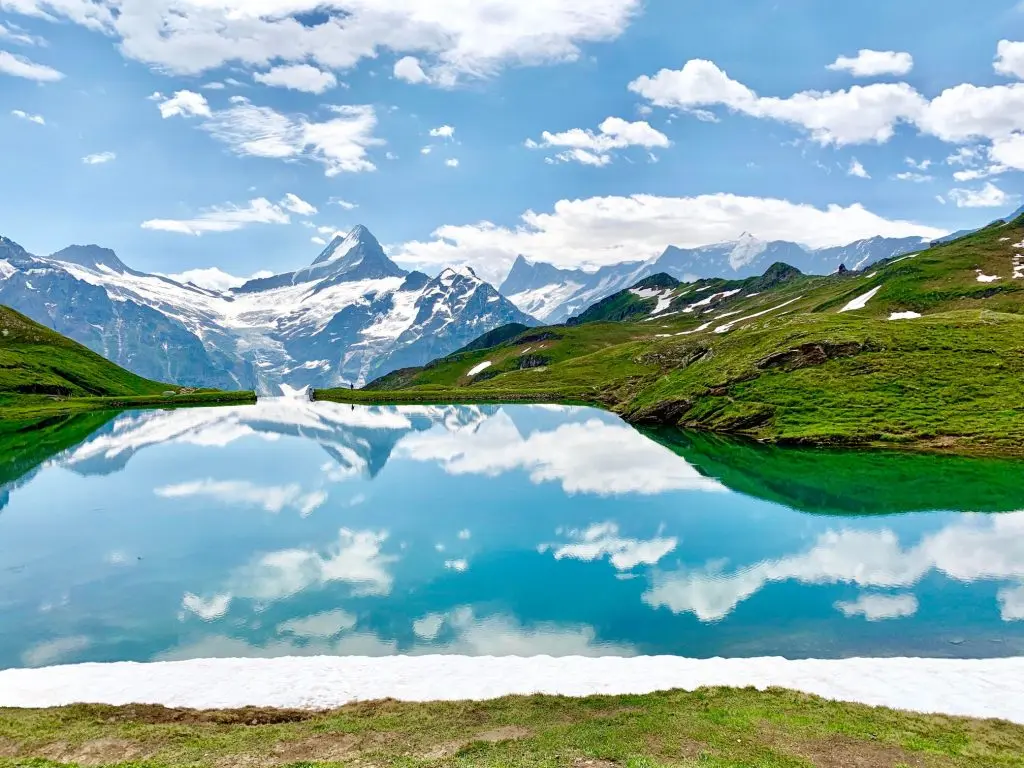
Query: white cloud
<point x="594" y="457"/>
<point x="297" y="205"/>
<point x="607" y="230"/>
<point x="459" y="566"/>
<point x="604" y="539"/>
<point x="22" y="115"/>
<point x="989" y="196"/>
<point x="227" y="218"/>
<point x="340" y="143"/>
<point x="859" y="115"/>
<point x="317" y="241"/>
<point x="970" y="550"/>
<point x="868" y="63"/>
<point x="409" y="69"/>
<point x="1010" y="59"/>
<point x="356" y="559"/>
<point x="215" y="279"/>
<point x="345" y="204"/>
<point x="452" y="162"/>
<point x="21" y="66"/>
<point x="914" y="176"/>
<point x="53" y="651"/>
<point x="298" y="77"/>
<point x="444" y="132"/>
<point x="214" y="86"/>
<point x="426" y="150"/>
<point x="1009" y="151"/>
<point x="183" y="103"/>
<point x="272" y="499"/>
<point x="968" y="112"/>
<point x="858" y="170"/>
<point x="454" y="39"/>
<point x="207" y="609"/>
<point x="922" y="165"/>
<point x="590" y="148"/>
<point x="323" y="625"/>
<point x="880" y="607"/>
<point x="99" y="158"/>
<point x="12" y="33"/>
<point x="963" y="156"/>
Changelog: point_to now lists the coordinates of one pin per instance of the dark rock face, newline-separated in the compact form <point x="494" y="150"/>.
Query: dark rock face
<point x="808" y="355"/>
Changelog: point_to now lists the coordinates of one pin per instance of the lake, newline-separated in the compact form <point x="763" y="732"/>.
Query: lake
<point x="298" y="528"/>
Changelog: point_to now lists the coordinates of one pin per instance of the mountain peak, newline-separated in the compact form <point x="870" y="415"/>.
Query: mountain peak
<point x="341" y="245"/>
<point x="91" y="257"/>
<point x="355" y="256"/>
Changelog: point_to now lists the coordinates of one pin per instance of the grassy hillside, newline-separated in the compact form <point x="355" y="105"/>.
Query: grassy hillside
<point x="42" y="371"/>
<point x="716" y="728"/>
<point x="777" y="358"/>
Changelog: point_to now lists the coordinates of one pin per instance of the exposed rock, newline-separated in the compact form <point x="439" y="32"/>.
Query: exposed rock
<point x="807" y="355"/>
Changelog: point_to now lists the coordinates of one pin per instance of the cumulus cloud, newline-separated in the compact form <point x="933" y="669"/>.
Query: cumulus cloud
<point x="593" y="148"/>
<point x="596" y="231"/>
<point x="443" y="131"/>
<point x="297" y="205"/>
<point x="22" y="66"/>
<point x="99" y="158"/>
<point x="183" y="103"/>
<point x="215" y="279"/>
<point x="1009" y="151"/>
<point x="452" y="162"/>
<point x="914" y="176"/>
<point x="868" y="63"/>
<point x="1010" y="59"/>
<point x="22" y="115"/>
<point x="605" y="540"/>
<point x="989" y="196"/>
<point x="298" y="77"/>
<point x="858" y="170"/>
<point x="970" y="550"/>
<point x="227" y="218"/>
<point x="272" y="499"/>
<point x="594" y="457"/>
<point x="880" y="607"/>
<point x="453" y="39"/>
<point x="859" y="115"/>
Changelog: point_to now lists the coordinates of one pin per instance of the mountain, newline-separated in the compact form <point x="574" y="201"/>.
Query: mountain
<point x="964" y="232"/>
<point x="349" y="316"/>
<point x="921" y="350"/>
<point x="553" y="294"/>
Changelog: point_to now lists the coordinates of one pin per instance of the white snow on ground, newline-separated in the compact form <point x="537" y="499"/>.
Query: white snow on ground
<point x="729" y="326"/>
<point x="903" y="258"/>
<point x="664" y="297"/>
<point x="983" y="278"/>
<point x="479" y="368"/>
<point x="294" y="394"/>
<point x="6" y="270"/>
<point x="975" y="688"/>
<point x="709" y="299"/>
<point x="1005" y="239"/>
<point x="873" y="274"/>
<point x="861" y="301"/>
<point x="696" y="330"/>
<point x="904" y="316"/>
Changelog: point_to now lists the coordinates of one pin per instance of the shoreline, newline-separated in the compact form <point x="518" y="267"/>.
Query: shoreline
<point x="979" y="688"/>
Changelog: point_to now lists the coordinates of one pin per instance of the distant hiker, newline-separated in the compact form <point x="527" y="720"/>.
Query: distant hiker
<point x="351" y="386"/>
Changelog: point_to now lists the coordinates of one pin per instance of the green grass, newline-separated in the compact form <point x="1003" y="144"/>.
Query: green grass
<point x="43" y="372"/>
<point x="789" y="368"/>
<point x="717" y="728"/>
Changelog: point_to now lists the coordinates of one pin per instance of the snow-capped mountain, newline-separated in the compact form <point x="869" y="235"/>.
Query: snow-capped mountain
<point x="553" y="294"/>
<point x="350" y="316"/>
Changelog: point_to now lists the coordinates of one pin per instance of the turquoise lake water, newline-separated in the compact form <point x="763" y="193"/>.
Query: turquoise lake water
<point x="293" y="528"/>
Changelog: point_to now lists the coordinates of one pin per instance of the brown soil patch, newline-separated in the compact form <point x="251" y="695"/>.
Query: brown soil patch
<point x="585" y="762"/>
<point x="494" y="736"/>
<point x="96" y="752"/>
<point x="8" y="748"/>
<point x="325" y="748"/>
<point x="156" y="715"/>
<point x="845" y="752"/>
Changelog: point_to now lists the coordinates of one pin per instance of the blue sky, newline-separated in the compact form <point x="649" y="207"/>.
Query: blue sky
<point x="726" y="118"/>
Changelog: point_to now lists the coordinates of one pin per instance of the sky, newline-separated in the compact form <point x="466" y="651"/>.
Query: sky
<point x="237" y="136"/>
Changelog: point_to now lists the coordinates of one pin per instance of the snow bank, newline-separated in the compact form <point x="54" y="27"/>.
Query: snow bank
<point x="983" y="278"/>
<point x="861" y="301"/>
<point x="977" y="688"/>
<point x="904" y="316"/>
<point x="479" y="368"/>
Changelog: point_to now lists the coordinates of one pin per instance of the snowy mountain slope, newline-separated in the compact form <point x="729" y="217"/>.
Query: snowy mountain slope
<point x="351" y="315"/>
<point x="553" y="295"/>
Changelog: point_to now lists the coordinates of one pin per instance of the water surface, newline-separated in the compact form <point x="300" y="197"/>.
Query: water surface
<point x="293" y="528"/>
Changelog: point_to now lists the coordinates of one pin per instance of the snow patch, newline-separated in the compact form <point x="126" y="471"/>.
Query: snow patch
<point x="705" y="302"/>
<point x="6" y="270"/>
<point x="983" y="278"/>
<point x="477" y="369"/>
<point x="904" y="316"/>
<point x="696" y="330"/>
<point x="664" y="297"/>
<point x="729" y="326"/>
<point x="987" y="688"/>
<point x="861" y="301"/>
